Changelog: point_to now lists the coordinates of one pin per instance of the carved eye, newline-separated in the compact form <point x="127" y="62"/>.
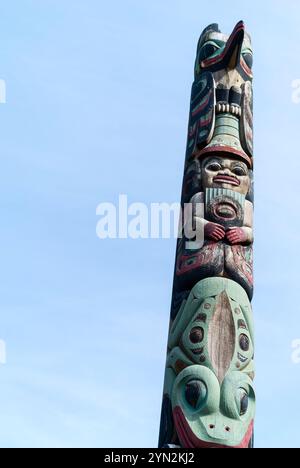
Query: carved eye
<point x="208" y="50"/>
<point x="244" y="402"/>
<point x="239" y="171"/>
<point x="248" y="57"/>
<point x="195" y="393"/>
<point x="244" y="342"/>
<point x="214" y="166"/>
<point x="196" y="335"/>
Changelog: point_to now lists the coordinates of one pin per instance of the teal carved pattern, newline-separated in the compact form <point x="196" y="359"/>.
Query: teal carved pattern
<point x="209" y="398"/>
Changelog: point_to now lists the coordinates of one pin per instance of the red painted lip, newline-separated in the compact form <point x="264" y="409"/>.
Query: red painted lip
<point x="224" y="179"/>
<point x="189" y="440"/>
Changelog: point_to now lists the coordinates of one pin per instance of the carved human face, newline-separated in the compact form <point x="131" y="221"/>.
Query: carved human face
<point x="225" y="173"/>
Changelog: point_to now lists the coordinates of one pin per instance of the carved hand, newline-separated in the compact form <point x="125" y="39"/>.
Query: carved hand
<point x="214" y="232"/>
<point x="236" y="236"/>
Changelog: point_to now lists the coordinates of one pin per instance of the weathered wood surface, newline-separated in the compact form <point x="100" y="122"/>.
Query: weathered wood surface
<point x="209" y="399"/>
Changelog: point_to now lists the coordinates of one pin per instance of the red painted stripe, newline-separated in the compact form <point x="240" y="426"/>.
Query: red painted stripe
<point x="239" y="27"/>
<point x="204" y="123"/>
<point x="201" y="106"/>
<point x="246" y="68"/>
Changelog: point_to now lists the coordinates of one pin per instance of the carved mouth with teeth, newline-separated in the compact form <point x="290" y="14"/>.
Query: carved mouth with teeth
<point x="222" y="108"/>
<point x="225" y="210"/>
<point x="226" y="179"/>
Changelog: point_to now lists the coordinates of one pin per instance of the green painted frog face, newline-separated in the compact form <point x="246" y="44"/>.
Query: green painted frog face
<point x="211" y="367"/>
<point x="207" y="414"/>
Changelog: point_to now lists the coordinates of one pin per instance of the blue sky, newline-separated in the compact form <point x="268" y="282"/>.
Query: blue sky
<point x="97" y="105"/>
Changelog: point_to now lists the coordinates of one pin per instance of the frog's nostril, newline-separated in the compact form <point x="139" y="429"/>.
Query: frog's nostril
<point x="227" y="429"/>
<point x="211" y="426"/>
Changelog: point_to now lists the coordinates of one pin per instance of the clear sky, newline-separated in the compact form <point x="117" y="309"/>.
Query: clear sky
<point x="97" y="105"/>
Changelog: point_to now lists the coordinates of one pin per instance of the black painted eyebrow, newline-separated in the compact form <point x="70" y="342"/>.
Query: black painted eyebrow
<point x="239" y="164"/>
<point x="212" y="160"/>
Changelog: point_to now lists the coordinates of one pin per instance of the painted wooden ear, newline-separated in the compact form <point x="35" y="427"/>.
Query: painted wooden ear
<point x="214" y="27"/>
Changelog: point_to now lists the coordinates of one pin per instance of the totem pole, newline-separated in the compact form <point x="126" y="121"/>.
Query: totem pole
<point x="209" y="400"/>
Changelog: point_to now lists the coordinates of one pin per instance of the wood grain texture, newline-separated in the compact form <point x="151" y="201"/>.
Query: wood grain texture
<point x="221" y="337"/>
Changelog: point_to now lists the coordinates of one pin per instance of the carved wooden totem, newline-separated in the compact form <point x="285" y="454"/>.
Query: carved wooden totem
<point x="209" y="400"/>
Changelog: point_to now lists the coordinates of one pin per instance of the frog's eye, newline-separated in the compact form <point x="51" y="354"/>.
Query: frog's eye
<point x="208" y="50"/>
<point x="243" y="401"/>
<point x="195" y="393"/>
<point x="244" y="342"/>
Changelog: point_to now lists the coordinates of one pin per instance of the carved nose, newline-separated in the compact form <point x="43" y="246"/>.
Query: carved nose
<point x="219" y="431"/>
<point x="226" y="172"/>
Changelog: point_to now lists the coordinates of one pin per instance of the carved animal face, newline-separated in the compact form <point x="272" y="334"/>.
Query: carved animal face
<point x="221" y="102"/>
<point x="211" y="367"/>
<point x="226" y="173"/>
<point x="209" y="415"/>
<point x="229" y="58"/>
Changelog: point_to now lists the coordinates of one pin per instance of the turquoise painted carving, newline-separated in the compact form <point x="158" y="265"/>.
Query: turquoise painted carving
<point x="209" y="398"/>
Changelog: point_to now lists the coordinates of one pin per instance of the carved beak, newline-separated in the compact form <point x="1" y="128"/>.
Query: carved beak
<point x="232" y="52"/>
<point x="233" y="49"/>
